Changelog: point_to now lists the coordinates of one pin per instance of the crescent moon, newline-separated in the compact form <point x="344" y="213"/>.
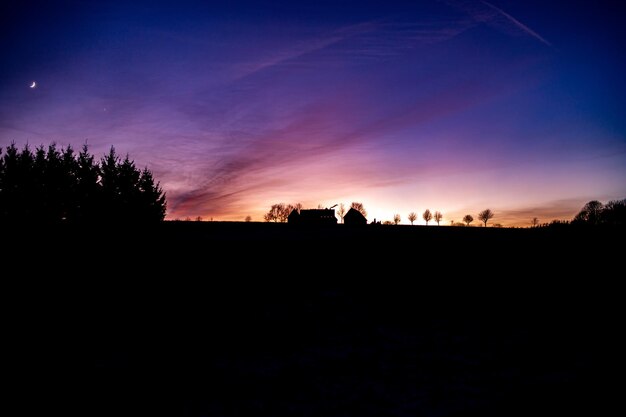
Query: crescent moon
<point x="33" y="85"/>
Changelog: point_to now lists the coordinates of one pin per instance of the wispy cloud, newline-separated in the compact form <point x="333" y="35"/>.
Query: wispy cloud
<point x="484" y="12"/>
<point x="303" y="48"/>
<point x="553" y="210"/>
<point x="313" y="133"/>
<point x="517" y="23"/>
<point x="376" y="39"/>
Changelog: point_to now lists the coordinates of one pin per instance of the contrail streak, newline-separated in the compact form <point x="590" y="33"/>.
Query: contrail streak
<point x="518" y="23"/>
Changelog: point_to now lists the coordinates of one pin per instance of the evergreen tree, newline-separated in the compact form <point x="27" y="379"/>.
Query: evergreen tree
<point x="51" y="186"/>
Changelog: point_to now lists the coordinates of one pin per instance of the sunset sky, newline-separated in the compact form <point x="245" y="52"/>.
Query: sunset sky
<point x="451" y="105"/>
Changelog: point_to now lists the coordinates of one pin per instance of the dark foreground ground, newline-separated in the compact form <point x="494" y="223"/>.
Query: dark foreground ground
<point x="265" y="320"/>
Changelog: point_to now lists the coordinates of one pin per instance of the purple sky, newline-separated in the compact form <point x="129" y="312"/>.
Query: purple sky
<point x="455" y="105"/>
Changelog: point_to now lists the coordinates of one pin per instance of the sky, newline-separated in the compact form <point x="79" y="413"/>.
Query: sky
<point x="450" y="105"/>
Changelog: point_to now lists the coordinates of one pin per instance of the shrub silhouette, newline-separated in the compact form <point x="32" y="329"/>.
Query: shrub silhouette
<point x="54" y="186"/>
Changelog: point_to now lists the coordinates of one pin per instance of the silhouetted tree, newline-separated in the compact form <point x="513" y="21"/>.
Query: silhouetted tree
<point x="412" y="217"/>
<point x="274" y="213"/>
<point x="427" y="216"/>
<point x="151" y="198"/>
<point x="359" y="207"/>
<point x="278" y="213"/>
<point x="590" y="213"/>
<point x="468" y="219"/>
<point x="438" y="216"/>
<point x="341" y="211"/>
<point x="285" y="212"/>
<point x="297" y="207"/>
<point x="485" y="215"/>
<point x="248" y="219"/>
<point x="88" y="187"/>
<point x="535" y="222"/>
<point x="595" y="213"/>
<point x="614" y="213"/>
<point x="52" y="185"/>
<point x="396" y="219"/>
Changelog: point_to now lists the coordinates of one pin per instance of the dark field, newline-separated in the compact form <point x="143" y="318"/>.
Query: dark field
<point x="233" y="319"/>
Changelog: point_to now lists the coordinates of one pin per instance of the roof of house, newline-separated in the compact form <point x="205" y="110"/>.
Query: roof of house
<point x="313" y="216"/>
<point x="353" y="212"/>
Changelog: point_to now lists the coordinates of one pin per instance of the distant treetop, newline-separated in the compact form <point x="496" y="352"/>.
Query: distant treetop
<point x="359" y="207"/>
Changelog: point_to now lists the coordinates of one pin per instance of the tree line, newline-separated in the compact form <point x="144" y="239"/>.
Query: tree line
<point x="594" y="213"/>
<point x="51" y="185"/>
<point x="279" y="213"/>
<point x="437" y="216"/>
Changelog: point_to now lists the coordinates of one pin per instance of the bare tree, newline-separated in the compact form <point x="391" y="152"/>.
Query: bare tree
<point x="341" y="211"/>
<point x="412" y="217"/>
<point x="248" y="219"/>
<point x="359" y="207"/>
<point x="428" y="216"/>
<point x="535" y="222"/>
<point x="438" y="216"/>
<point x="396" y="218"/>
<point x="285" y="211"/>
<point x="278" y="213"/>
<point x="199" y="218"/>
<point x="485" y="215"/>
<point x="297" y="206"/>
<point x="468" y="219"/>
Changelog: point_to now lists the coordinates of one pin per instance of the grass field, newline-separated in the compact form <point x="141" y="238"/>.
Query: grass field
<point x="236" y="319"/>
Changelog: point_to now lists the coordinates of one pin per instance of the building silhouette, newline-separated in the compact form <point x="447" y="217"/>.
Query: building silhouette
<point x="354" y="217"/>
<point x="312" y="217"/>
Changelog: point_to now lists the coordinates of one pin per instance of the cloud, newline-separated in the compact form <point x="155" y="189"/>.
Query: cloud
<point x="517" y="23"/>
<point x="313" y="134"/>
<point x="553" y="210"/>
<point x="302" y="48"/>
<point x="377" y="39"/>
<point x="484" y="12"/>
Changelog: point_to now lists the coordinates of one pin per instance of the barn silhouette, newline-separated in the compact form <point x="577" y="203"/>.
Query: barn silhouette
<point x="354" y="217"/>
<point x="312" y="217"/>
